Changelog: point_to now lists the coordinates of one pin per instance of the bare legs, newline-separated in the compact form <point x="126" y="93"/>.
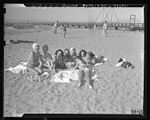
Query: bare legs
<point x="39" y="70"/>
<point x="64" y="34"/>
<point x="87" y="73"/>
<point x="104" y="33"/>
<point x="81" y="77"/>
<point x="55" y="30"/>
<point x="36" y="70"/>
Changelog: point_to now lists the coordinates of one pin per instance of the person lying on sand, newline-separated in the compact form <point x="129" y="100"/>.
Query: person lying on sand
<point x="35" y="60"/>
<point x="89" y="60"/>
<point x="97" y="59"/>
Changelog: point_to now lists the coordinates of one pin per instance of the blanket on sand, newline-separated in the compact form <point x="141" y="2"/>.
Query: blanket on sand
<point x="21" y="68"/>
<point x="61" y="76"/>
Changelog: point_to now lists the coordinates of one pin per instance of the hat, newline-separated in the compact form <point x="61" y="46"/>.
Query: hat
<point x="34" y="45"/>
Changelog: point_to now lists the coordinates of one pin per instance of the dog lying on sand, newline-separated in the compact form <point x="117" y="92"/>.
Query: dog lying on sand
<point x="122" y="62"/>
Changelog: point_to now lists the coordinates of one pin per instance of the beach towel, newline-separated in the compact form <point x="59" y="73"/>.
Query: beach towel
<point x="21" y="68"/>
<point x="65" y="76"/>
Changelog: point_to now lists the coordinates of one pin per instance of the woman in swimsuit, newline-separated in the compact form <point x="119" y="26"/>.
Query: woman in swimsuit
<point x="35" y="60"/>
<point x="59" y="60"/>
<point x="85" y="70"/>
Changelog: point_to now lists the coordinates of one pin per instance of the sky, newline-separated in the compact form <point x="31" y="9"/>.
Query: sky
<point x="19" y="13"/>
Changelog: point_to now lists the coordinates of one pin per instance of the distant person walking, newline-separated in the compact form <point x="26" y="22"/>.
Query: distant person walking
<point x="105" y="27"/>
<point x="55" y="27"/>
<point x="65" y="30"/>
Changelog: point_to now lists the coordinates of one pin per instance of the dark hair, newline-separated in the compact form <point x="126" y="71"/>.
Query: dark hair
<point x="59" y="50"/>
<point x="81" y="52"/>
<point x="91" y="54"/>
<point x="67" y="50"/>
<point x="45" y="46"/>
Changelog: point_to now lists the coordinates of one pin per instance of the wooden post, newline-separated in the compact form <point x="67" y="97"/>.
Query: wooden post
<point x="132" y="20"/>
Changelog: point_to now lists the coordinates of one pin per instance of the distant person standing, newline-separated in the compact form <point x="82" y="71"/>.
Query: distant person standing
<point x="105" y="27"/>
<point x="55" y="27"/>
<point x="65" y="30"/>
<point x="94" y="27"/>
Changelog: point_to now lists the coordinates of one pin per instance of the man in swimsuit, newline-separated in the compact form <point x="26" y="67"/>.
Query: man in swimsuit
<point x="105" y="27"/>
<point x="55" y="27"/>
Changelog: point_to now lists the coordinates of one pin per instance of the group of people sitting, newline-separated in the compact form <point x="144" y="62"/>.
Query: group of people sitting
<point x="63" y="59"/>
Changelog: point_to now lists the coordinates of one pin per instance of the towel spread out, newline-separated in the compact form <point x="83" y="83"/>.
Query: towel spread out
<point x="65" y="76"/>
<point x="19" y="68"/>
<point x="61" y="76"/>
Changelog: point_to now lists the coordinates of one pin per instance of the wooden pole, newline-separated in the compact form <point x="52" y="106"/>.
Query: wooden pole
<point x="111" y="20"/>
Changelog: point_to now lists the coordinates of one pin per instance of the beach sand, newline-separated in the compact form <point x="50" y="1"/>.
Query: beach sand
<point x="117" y="91"/>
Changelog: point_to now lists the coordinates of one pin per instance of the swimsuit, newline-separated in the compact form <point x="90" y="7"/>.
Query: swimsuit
<point x="34" y="59"/>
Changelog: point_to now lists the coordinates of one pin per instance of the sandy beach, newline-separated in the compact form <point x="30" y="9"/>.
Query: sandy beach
<point x="118" y="90"/>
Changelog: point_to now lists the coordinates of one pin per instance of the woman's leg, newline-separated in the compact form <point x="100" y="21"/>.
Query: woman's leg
<point x="38" y="70"/>
<point x="81" y="77"/>
<point x="33" y="71"/>
<point x="88" y="75"/>
<point x="45" y="68"/>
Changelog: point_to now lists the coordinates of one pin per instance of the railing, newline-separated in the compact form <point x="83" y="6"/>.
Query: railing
<point x="91" y="25"/>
